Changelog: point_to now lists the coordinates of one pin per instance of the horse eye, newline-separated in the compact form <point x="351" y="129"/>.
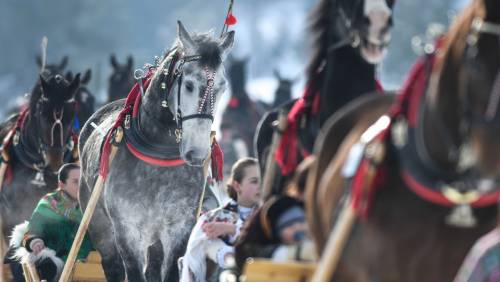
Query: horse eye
<point x="189" y="86"/>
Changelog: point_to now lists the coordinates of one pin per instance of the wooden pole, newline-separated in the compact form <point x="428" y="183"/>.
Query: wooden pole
<point x="206" y="165"/>
<point x="87" y="216"/>
<point x="335" y="245"/>
<point x="270" y="170"/>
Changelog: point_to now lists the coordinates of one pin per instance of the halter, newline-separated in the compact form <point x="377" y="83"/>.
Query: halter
<point x="174" y="73"/>
<point x="353" y="37"/>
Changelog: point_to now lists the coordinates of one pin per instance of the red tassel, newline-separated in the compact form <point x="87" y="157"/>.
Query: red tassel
<point x="217" y="162"/>
<point x="231" y="19"/>
<point x="234" y="102"/>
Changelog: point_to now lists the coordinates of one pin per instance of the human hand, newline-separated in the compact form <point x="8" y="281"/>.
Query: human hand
<point x="216" y="229"/>
<point x="37" y="245"/>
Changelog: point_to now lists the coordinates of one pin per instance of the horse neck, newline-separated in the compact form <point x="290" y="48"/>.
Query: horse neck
<point x="156" y="122"/>
<point x="346" y="77"/>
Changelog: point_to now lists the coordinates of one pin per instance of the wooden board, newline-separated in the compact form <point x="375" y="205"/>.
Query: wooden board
<point x="90" y="270"/>
<point x="261" y="270"/>
<point x="7" y="276"/>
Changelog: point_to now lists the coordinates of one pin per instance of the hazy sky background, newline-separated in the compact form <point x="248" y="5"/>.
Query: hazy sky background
<point x="271" y="33"/>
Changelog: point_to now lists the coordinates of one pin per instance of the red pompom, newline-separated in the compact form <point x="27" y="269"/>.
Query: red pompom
<point x="231" y="19"/>
<point x="234" y="102"/>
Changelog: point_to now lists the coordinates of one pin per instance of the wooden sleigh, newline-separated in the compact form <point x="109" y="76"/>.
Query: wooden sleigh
<point x="88" y="271"/>
<point x="263" y="270"/>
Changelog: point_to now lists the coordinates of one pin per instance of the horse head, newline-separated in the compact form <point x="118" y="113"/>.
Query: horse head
<point x="51" y="114"/>
<point x="189" y="80"/>
<point x="121" y="79"/>
<point x="237" y="76"/>
<point x="465" y="89"/>
<point x="284" y="91"/>
<point x="364" y="24"/>
<point x="52" y="69"/>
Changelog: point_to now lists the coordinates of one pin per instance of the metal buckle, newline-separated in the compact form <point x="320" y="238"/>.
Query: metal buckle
<point x="16" y="138"/>
<point x="127" y="122"/>
<point x="178" y="135"/>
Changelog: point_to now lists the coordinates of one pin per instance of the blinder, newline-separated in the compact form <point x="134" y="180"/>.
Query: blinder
<point x="174" y="73"/>
<point x="486" y="119"/>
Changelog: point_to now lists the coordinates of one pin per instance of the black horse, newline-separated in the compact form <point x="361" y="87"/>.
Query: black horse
<point x="283" y="93"/>
<point x="121" y="79"/>
<point x="240" y="109"/>
<point x="38" y="141"/>
<point x="85" y="100"/>
<point x="350" y="38"/>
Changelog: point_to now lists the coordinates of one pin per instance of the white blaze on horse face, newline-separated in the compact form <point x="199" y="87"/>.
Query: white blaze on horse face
<point x="195" y="144"/>
<point x="379" y="15"/>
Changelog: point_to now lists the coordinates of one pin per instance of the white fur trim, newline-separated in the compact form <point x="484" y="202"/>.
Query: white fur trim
<point x="21" y="254"/>
<point x="18" y="234"/>
<point x="30" y="258"/>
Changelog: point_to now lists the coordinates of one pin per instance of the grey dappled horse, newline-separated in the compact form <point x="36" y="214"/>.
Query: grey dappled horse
<point x="146" y="212"/>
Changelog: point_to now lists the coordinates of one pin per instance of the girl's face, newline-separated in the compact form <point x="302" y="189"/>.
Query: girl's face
<point x="249" y="188"/>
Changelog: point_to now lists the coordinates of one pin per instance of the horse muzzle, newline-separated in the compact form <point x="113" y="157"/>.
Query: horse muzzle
<point x="194" y="157"/>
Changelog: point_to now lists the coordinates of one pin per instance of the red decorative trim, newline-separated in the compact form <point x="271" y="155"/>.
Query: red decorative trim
<point x="153" y="161"/>
<point x="436" y="197"/>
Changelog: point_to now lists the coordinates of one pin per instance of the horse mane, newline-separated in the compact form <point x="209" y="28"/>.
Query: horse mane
<point x="208" y="49"/>
<point x="35" y="96"/>
<point x="319" y="24"/>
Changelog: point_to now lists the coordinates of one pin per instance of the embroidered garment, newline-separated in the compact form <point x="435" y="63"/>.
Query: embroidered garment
<point x="482" y="264"/>
<point x="55" y="220"/>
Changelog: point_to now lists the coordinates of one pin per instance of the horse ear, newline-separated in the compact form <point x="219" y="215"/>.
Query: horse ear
<point x="64" y="63"/>
<point x="74" y="85"/>
<point x="226" y="44"/>
<point x="113" y="61"/>
<point x="130" y="62"/>
<point x="69" y="76"/>
<point x="185" y="38"/>
<point x="86" y="77"/>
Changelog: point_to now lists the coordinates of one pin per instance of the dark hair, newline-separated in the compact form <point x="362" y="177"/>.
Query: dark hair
<point x="237" y="174"/>
<point x="63" y="173"/>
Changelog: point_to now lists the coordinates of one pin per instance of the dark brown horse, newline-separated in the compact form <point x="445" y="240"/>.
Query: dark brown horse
<point x="440" y="160"/>
<point x="121" y="79"/>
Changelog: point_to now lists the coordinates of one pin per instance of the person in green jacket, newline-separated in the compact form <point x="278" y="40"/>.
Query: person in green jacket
<point x="45" y="240"/>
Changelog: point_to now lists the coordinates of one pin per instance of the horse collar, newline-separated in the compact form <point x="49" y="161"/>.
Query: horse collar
<point x="452" y="188"/>
<point x="141" y="148"/>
